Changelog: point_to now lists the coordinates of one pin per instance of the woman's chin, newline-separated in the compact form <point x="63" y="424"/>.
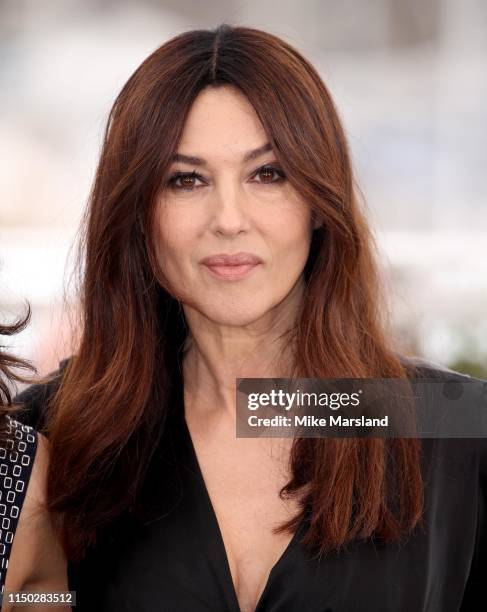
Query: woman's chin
<point x="234" y="315"/>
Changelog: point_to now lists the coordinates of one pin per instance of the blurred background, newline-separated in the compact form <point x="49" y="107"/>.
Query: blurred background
<point x="409" y="79"/>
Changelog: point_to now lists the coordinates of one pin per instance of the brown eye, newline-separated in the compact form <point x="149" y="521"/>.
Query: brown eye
<point x="268" y="175"/>
<point x="184" y="181"/>
<point x="187" y="181"/>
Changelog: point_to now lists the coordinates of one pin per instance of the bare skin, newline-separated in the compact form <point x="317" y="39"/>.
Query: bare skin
<point x="235" y="327"/>
<point x="243" y="477"/>
<point x="37" y="561"/>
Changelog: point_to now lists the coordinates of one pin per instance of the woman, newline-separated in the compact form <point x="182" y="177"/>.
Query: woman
<point x="31" y="558"/>
<point x="224" y="239"/>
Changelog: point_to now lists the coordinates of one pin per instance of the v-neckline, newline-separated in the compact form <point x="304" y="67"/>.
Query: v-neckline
<point x="221" y="544"/>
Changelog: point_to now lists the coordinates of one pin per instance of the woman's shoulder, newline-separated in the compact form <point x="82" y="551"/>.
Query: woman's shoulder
<point x="32" y="556"/>
<point x="421" y="367"/>
<point x="471" y="393"/>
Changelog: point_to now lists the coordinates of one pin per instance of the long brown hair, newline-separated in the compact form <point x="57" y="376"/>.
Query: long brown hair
<point x="111" y="406"/>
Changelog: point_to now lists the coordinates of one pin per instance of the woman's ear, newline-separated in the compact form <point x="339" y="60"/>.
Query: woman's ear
<point x="316" y="221"/>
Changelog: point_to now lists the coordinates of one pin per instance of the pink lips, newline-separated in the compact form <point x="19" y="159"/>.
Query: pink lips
<point x="231" y="267"/>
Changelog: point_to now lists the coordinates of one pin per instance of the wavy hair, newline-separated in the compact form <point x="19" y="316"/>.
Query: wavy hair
<point x="11" y="367"/>
<point x="113" y="400"/>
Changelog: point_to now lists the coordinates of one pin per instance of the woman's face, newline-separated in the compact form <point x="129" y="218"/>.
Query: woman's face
<point x="233" y="199"/>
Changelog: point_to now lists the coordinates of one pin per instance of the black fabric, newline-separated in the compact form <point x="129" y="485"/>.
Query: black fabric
<point x="170" y="555"/>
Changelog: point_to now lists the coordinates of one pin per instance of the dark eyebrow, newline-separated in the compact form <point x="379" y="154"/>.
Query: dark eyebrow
<point x="198" y="161"/>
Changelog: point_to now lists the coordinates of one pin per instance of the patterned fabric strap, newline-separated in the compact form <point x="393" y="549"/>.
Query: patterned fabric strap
<point x="17" y="456"/>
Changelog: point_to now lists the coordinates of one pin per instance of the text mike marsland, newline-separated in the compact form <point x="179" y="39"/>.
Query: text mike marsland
<point x="313" y="421"/>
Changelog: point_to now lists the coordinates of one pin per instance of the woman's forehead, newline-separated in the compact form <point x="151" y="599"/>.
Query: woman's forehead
<point x="221" y="120"/>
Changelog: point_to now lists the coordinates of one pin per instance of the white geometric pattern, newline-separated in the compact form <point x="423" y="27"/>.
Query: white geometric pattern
<point x="16" y="460"/>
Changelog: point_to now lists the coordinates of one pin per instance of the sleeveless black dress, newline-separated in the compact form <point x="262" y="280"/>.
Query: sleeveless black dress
<point x="172" y="559"/>
<point x="17" y="457"/>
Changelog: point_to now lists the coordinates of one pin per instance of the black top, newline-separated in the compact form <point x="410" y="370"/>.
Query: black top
<point x="173" y="559"/>
<point x="17" y="455"/>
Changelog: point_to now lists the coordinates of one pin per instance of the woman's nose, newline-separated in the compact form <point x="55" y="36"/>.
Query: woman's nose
<point x="229" y="209"/>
